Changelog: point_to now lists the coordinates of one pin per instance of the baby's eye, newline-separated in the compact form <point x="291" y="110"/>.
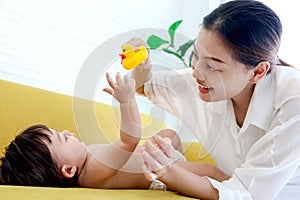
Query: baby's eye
<point x="213" y="69"/>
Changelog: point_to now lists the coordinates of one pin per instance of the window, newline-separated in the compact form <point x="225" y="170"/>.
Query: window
<point x="44" y="43"/>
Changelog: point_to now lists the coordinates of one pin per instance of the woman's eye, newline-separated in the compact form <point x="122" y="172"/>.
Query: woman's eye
<point x="66" y="137"/>
<point x="213" y="69"/>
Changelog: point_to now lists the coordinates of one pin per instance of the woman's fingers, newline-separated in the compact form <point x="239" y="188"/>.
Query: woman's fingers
<point x="152" y="163"/>
<point x="157" y="153"/>
<point x="167" y="147"/>
<point x="164" y="153"/>
<point x="153" y="169"/>
<point x="150" y="176"/>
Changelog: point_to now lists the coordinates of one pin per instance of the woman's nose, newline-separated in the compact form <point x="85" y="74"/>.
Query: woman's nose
<point x="197" y="74"/>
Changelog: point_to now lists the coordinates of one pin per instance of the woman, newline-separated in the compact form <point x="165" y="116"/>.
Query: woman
<point x="241" y="103"/>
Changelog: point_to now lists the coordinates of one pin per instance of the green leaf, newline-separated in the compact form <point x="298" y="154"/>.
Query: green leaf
<point x="172" y="30"/>
<point x="190" y="59"/>
<point x="171" y="52"/>
<point x="154" y="41"/>
<point x="184" y="47"/>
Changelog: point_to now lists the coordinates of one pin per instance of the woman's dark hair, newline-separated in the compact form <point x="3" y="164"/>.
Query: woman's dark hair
<point x="249" y="29"/>
<point x="27" y="161"/>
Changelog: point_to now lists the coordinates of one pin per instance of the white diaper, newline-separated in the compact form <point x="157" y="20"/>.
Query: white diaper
<point x="157" y="185"/>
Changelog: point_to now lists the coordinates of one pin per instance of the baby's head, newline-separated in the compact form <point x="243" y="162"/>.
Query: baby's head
<point x="28" y="161"/>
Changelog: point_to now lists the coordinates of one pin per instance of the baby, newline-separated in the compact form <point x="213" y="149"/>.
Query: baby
<point x="41" y="156"/>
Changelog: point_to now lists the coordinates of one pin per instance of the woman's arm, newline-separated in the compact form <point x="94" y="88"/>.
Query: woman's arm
<point x="204" y="169"/>
<point x="142" y="73"/>
<point x="186" y="182"/>
<point x="185" y="177"/>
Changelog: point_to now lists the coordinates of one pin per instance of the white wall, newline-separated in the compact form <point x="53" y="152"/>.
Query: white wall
<point x="289" y="14"/>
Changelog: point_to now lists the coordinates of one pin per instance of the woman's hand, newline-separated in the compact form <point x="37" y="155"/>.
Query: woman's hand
<point x="136" y="42"/>
<point x="142" y="73"/>
<point x="159" y="155"/>
<point x="123" y="89"/>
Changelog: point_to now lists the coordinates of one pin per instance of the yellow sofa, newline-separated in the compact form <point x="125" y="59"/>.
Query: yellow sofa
<point x="21" y="106"/>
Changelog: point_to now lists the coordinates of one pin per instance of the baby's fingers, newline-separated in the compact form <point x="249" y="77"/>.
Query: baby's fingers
<point x="118" y="77"/>
<point x="110" y="81"/>
<point x="108" y="90"/>
<point x="126" y="78"/>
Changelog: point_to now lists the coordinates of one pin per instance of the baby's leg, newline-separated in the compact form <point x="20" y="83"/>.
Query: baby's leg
<point x="176" y="142"/>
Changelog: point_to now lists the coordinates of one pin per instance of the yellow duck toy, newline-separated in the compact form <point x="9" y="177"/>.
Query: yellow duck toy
<point x="131" y="57"/>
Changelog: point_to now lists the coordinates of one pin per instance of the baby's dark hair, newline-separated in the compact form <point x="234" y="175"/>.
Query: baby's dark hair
<point x="27" y="161"/>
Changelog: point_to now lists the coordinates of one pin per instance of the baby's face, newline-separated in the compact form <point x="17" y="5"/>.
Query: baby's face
<point x="66" y="148"/>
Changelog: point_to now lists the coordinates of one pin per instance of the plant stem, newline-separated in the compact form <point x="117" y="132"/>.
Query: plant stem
<point x="176" y="53"/>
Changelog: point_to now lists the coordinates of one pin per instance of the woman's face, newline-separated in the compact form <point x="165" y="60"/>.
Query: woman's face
<point x="219" y="76"/>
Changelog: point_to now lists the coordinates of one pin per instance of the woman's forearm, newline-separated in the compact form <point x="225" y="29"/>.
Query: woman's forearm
<point x="188" y="183"/>
<point x="204" y="169"/>
<point x="141" y="75"/>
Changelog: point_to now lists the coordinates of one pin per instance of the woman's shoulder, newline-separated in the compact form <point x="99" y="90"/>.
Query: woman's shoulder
<point x="291" y="71"/>
<point x="286" y="76"/>
<point x="286" y="82"/>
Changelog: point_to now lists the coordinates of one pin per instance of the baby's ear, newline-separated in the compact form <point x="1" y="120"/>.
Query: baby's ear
<point x="68" y="171"/>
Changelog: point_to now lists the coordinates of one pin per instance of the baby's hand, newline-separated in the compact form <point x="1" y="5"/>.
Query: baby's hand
<point x="123" y="89"/>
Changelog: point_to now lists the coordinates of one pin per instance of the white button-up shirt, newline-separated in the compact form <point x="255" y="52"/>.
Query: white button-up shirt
<point x="262" y="156"/>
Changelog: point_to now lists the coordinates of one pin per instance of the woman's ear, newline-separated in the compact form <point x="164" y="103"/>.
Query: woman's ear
<point x="68" y="171"/>
<point x="260" y="71"/>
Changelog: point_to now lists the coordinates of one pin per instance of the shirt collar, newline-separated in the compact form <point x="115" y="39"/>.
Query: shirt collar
<point x="216" y="107"/>
<point x="260" y="110"/>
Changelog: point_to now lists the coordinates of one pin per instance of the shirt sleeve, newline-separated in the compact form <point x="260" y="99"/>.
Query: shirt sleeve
<point x="169" y="89"/>
<point x="271" y="163"/>
<point x="231" y="189"/>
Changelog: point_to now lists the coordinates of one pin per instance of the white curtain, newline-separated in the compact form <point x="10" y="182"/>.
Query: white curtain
<point x="44" y="43"/>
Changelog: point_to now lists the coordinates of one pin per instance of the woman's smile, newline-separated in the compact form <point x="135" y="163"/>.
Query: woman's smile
<point x="203" y="88"/>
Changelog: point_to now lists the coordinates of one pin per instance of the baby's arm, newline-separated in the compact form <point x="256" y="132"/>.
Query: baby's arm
<point x="108" y="159"/>
<point x="118" y="153"/>
<point x="123" y="90"/>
